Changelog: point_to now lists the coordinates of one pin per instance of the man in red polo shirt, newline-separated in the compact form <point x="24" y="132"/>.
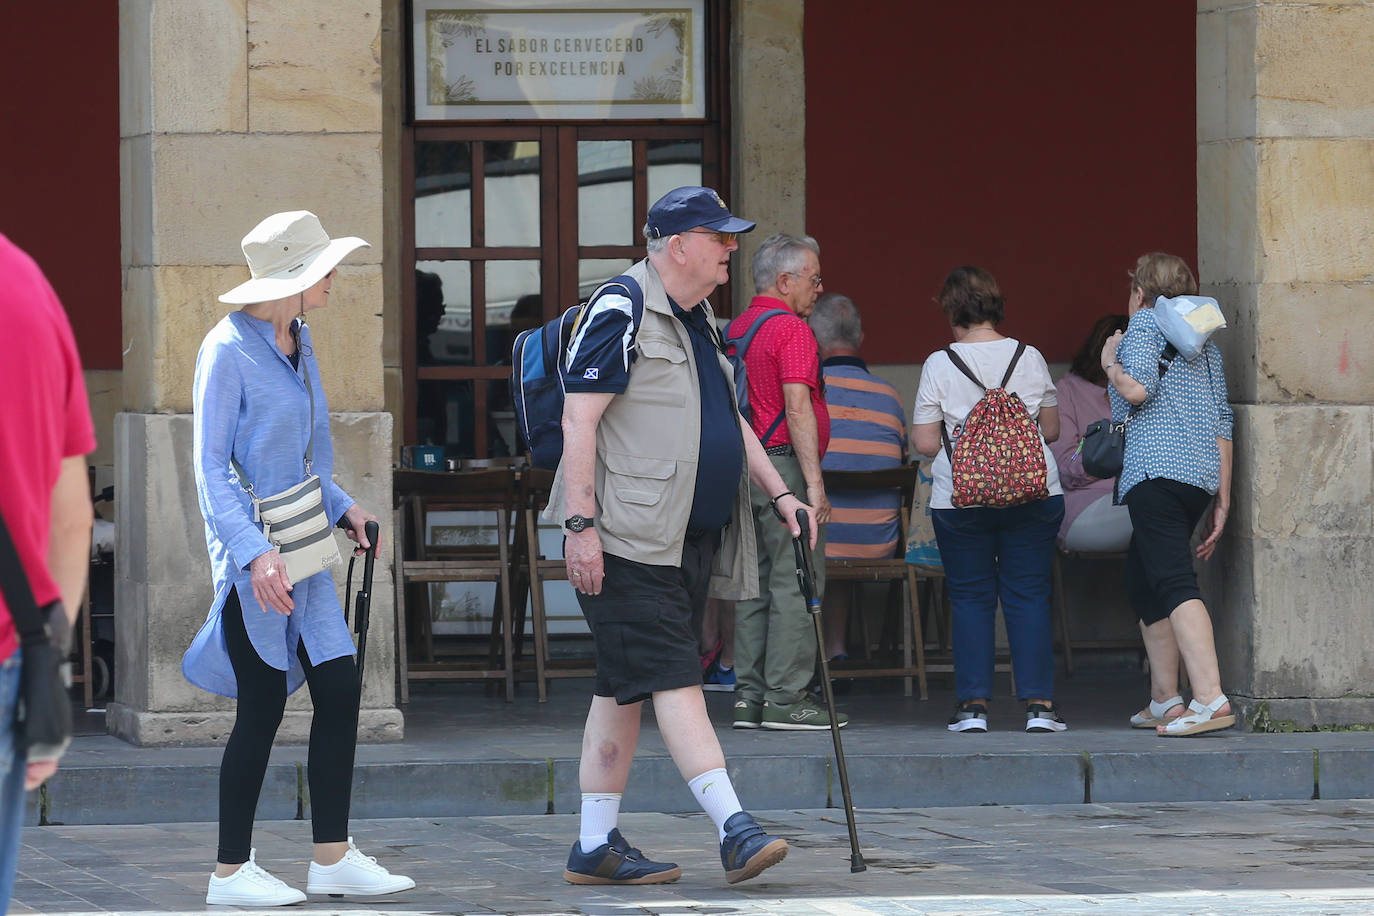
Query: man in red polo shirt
<point x="775" y="644"/>
<point x="45" y="433"/>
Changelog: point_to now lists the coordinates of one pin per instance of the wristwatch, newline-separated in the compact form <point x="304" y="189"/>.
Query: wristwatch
<point x="576" y="523"/>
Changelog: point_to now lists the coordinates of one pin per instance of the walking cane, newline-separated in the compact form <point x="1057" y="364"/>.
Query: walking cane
<point x="363" y="608"/>
<point x="806" y="578"/>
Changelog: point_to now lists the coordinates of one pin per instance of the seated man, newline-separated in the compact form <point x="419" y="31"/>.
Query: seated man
<point x="867" y="433"/>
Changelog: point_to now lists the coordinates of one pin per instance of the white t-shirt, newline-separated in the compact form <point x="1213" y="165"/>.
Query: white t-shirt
<point x="947" y="395"/>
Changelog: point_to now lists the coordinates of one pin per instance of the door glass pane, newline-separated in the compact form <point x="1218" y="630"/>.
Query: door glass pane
<point x="502" y="440"/>
<point x="513" y="304"/>
<point x="673" y="164"/>
<point x="443" y="416"/>
<point x="605" y="193"/>
<point x="443" y="313"/>
<point x="511" y="177"/>
<point x="443" y="194"/>
<point x="591" y="273"/>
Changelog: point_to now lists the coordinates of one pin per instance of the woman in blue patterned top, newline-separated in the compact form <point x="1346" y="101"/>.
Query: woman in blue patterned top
<point x="265" y="634"/>
<point x="1177" y="463"/>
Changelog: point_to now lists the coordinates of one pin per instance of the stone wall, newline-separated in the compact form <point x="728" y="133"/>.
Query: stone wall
<point x="1286" y="243"/>
<point x="231" y="110"/>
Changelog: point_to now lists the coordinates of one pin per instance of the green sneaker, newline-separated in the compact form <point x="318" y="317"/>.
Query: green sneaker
<point x="748" y="714"/>
<point x="804" y="715"/>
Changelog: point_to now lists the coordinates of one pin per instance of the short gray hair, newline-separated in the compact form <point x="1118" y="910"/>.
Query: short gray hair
<point x="654" y="243"/>
<point x="781" y="254"/>
<point x="835" y="322"/>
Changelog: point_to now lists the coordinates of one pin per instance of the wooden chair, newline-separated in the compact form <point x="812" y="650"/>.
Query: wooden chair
<point x="1061" y="608"/>
<point x="417" y="563"/>
<point x="535" y="485"/>
<point x="889" y="569"/>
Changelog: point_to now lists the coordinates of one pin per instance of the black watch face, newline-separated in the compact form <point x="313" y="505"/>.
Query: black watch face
<point x="577" y="523"/>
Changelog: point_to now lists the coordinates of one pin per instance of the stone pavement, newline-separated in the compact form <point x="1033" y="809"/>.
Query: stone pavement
<point x="478" y="755"/>
<point x="1254" y="858"/>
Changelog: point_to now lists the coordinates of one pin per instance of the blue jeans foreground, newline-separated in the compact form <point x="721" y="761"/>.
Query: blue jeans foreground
<point x="12" y="769"/>
<point x="1006" y="554"/>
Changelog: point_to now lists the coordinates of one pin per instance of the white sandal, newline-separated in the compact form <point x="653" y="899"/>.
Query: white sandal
<point x="1203" y="718"/>
<point x="1156" y="716"/>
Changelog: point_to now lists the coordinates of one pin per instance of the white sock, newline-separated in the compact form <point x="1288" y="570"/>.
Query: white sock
<point x="716" y="795"/>
<point x="600" y="812"/>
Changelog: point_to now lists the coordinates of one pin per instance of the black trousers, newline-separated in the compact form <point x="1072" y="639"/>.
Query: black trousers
<point x="334" y="690"/>
<point x="1159" y="562"/>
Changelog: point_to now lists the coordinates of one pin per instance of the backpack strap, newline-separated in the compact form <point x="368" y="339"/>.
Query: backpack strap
<point x="1167" y="357"/>
<point x="963" y="367"/>
<point x="741" y="345"/>
<point x="1011" y="367"/>
<point x="14" y="585"/>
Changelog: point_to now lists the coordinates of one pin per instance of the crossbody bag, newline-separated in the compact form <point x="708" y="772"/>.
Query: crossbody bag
<point x="294" y="520"/>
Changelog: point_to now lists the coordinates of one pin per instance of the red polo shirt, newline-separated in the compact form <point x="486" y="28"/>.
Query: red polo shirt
<point x="44" y="417"/>
<point x="783" y="350"/>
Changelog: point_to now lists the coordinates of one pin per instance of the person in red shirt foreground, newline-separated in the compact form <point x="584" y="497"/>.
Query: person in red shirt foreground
<point x="45" y="434"/>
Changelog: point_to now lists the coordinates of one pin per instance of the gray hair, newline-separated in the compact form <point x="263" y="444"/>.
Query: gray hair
<point x="654" y="243"/>
<point x="781" y="254"/>
<point x="835" y="322"/>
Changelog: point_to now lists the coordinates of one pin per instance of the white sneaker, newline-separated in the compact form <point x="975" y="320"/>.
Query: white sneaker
<point x="355" y="874"/>
<point x="251" y="885"/>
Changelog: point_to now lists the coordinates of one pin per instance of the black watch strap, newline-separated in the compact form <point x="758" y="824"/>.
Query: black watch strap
<point x="576" y="523"/>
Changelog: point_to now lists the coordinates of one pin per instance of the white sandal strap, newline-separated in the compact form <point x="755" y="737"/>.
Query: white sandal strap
<point x="1159" y="709"/>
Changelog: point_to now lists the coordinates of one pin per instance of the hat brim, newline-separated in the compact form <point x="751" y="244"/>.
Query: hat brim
<point x="279" y="286"/>
<point x="730" y="224"/>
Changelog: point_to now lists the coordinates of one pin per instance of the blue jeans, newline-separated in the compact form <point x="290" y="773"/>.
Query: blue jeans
<point x="1006" y="554"/>
<point x="12" y="770"/>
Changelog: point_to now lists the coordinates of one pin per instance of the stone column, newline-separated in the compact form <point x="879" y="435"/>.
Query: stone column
<point x="1286" y="244"/>
<point x="768" y="124"/>
<point x="231" y="110"/>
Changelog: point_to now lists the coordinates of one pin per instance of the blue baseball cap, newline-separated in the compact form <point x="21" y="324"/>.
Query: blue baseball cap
<point x="687" y="208"/>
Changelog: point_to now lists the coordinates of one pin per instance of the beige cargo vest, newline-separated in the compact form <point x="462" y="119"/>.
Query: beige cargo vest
<point x="647" y="447"/>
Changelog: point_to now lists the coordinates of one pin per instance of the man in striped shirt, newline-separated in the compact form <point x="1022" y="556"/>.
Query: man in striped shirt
<point x="867" y="432"/>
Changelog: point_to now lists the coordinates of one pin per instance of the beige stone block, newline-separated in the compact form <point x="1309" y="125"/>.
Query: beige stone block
<point x="211" y="190"/>
<point x="1304" y="472"/>
<point x="315" y="66"/>
<point x="1228" y="240"/>
<point x="394" y="381"/>
<point x="167" y="312"/>
<point x="1311" y="627"/>
<point x="1226" y="72"/>
<point x="1314" y="342"/>
<point x="1211" y="77"/>
<point x="136" y="201"/>
<point x="769" y="105"/>
<point x="1316" y="210"/>
<point x="135" y="67"/>
<point x="1314" y="75"/>
<point x="1240" y="72"/>
<point x="210" y="728"/>
<point x="1238" y="342"/>
<point x="348" y="337"/>
<point x="188" y="64"/>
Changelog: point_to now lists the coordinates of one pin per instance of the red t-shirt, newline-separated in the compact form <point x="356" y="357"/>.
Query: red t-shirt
<point x="783" y="350"/>
<point x="44" y="417"/>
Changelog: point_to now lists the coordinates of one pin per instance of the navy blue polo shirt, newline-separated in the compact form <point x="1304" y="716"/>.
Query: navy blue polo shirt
<point x="721" y="455"/>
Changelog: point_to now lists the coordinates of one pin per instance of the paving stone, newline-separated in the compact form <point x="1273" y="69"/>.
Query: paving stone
<point x="1346" y="773"/>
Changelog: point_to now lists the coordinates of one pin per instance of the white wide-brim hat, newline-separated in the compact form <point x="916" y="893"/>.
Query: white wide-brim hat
<point x="287" y="254"/>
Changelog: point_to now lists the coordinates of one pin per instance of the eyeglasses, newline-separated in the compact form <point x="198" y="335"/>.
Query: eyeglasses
<point x="725" y="238"/>
<point x="814" y="278"/>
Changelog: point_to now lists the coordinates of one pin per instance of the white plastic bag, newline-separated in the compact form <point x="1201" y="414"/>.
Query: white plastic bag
<point x="1188" y="321"/>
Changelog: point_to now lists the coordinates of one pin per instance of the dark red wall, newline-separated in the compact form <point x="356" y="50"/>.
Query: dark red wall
<point x="1049" y="143"/>
<point x="59" y="64"/>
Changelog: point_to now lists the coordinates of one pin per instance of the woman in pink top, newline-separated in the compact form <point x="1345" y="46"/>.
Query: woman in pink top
<point x="1091" y="522"/>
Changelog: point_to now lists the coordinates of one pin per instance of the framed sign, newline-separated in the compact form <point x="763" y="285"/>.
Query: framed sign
<point x="508" y="59"/>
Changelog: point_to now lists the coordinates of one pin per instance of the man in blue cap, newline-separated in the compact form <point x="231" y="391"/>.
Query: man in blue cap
<point x="653" y="494"/>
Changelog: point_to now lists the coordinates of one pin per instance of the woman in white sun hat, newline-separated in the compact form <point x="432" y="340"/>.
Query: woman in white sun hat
<point x="257" y="387"/>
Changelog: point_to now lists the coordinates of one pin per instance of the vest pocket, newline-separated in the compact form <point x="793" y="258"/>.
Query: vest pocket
<point x="634" y="489"/>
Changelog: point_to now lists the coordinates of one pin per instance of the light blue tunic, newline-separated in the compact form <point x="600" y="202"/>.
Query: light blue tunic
<point x="250" y="402"/>
<point x="1174" y="433"/>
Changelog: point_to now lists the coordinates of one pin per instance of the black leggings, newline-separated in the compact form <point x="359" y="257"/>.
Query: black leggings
<point x="262" y="699"/>
<point x="1159" y="562"/>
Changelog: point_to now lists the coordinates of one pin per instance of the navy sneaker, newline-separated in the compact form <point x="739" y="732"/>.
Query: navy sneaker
<point x="747" y="850"/>
<point x="718" y="679"/>
<point x="616" y="862"/>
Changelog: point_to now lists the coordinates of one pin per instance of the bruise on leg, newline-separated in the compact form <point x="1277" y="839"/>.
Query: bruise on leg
<point x="607" y="755"/>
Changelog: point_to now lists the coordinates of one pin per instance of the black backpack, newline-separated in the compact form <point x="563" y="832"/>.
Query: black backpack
<point x="735" y="350"/>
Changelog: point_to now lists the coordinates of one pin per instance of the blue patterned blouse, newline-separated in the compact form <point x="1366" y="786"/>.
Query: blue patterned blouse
<point x="251" y="403"/>
<point x="1174" y="433"/>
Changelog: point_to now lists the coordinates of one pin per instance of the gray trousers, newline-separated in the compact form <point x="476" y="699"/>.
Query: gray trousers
<point x="775" y="640"/>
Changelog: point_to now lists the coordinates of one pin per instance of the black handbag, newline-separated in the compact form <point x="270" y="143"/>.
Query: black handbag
<point x="1104" y="448"/>
<point x="43" y="726"/>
